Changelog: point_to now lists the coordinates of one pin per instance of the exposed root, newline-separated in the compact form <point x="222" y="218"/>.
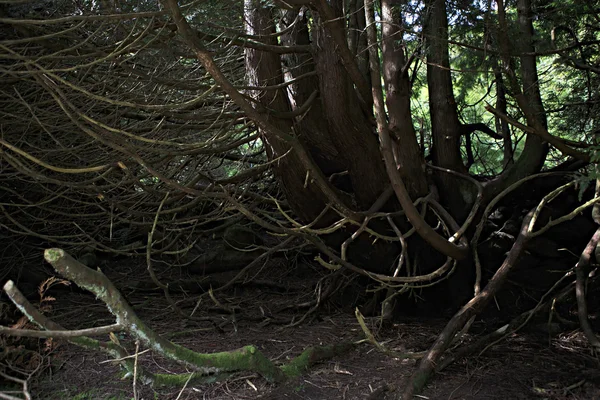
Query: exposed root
<point x="475" y="306"/>
<point x="581" y="271"/>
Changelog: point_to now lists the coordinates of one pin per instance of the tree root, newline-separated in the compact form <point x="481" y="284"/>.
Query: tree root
<point x="485" y="342"/>
<point x="465" y="315"/>
<point x="428" y="363"/>
<point x="581" y="271"/>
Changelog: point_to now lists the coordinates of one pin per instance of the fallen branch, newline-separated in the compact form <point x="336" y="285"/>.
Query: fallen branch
<point x="44" y="322"/>
<point x="207" y="367"/>
<point x="370" y="338"/>
<point x="101" y="330"/>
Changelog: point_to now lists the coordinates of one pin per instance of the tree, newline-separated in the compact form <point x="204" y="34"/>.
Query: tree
<point x="177" y="117"/>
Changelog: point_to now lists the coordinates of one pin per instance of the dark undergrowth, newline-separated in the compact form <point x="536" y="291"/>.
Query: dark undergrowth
<point x="545" y="360"/>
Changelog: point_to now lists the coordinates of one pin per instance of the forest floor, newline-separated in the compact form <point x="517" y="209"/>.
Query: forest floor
<point x="528" y="365"/>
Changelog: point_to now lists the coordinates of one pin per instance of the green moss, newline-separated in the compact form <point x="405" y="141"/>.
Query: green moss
<point x="51" y="255"/>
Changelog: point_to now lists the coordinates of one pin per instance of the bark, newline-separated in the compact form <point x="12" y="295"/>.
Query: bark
<point x="444" y="117"/>
<point x="529" y="75"/>
<point x="314" y="175"/>
<point x="425" y="231"/>
<point x="331" y="20"/>
<point x="502" y="127"/>
<point x="350" y="129"/>
<point x="445" y="125"/>
<point x="357" y="40"/>
<point x="264" y="69"/>
<point x="312" y="127"/>
<point x="409" y="159"/>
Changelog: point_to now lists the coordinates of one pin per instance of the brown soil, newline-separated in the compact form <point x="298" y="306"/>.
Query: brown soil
<point x="528" y="365"/>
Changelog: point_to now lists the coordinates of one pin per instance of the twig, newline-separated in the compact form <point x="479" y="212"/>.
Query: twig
<point x="245" y="270"/>
<point x="486" y="213"/>
<point x="22" y="382"/>
<point x="101" y="330"/>
<point x="184" y="386"/>
<point x="135" y="369"/>
<point x="44" y="322"/>
<point x="371" y="339"/>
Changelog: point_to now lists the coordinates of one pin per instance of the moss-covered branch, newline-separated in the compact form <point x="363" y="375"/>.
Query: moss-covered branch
<point x="213" y="366"/>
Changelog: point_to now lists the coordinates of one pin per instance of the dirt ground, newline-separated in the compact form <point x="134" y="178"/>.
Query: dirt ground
<point x="528" y="365"/>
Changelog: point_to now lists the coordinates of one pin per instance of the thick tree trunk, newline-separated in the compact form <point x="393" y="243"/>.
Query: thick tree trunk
<point x="398" y="90"/>
<point x="264" y="69"/>
<point x="312" y="127"/>
<point x="357" y="39"/>
<point x="349" y="127"/>
<point x="444" y="117"/>
<point x="445" y="125"/>
<point x="529" y="75"/>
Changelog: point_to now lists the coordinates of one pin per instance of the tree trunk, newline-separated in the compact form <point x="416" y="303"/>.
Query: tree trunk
<point x="350" y="129"/>
<point x="398" y="90"/>
<point x="444" y="117"/>
<point x="264" y="69"/>
<point x="529" y="75"/>
<point x="502" y="127"/>
<point x="445" y="126"/>
<point x="312" y="127"/>
<point x="357" y="40"/>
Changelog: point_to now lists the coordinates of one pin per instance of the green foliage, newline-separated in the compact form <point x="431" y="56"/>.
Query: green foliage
<point x="570" y="95"/>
